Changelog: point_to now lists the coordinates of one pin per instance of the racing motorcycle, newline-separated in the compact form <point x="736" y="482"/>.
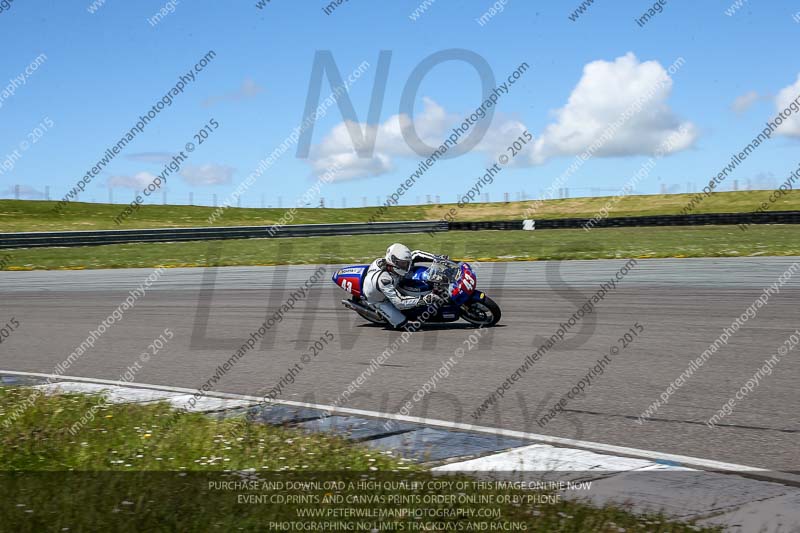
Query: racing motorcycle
<point x="454" y="282"/>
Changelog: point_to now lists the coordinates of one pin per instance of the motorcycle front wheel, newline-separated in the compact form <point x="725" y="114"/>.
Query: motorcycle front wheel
<point x="484" y="312"/>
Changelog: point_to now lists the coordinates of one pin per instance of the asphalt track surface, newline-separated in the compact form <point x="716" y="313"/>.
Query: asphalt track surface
<point x="683" y="304"/>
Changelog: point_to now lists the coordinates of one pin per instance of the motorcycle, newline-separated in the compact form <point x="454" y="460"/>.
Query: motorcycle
<point x="454" y="282"/>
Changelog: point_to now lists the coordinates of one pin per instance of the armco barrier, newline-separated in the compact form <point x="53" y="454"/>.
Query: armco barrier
<point x="777" y="217"/>
<point x="87" y="238"/>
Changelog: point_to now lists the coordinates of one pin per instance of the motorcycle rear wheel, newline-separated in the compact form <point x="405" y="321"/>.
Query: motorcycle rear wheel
<point x="484" y="313"/>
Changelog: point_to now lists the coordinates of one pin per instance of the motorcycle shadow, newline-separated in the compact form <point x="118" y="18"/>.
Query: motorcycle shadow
<point x="432" y="326"/>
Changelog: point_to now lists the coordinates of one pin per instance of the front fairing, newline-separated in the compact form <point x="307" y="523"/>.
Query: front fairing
<point x="462" y="288"/>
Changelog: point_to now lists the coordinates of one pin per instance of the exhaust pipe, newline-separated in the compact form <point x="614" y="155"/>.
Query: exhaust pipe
<point x="355" y="306"/>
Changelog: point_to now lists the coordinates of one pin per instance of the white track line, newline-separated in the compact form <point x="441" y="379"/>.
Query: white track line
<point x="682" y="460"/>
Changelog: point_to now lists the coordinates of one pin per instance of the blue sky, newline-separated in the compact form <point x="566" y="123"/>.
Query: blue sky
<point x="104" y="69"/>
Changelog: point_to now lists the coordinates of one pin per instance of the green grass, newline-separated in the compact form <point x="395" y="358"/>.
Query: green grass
<point x="142" y="467"/>
<point x="131" y="437"/>
<point x="599" y="243"/>
<point x="25" y="215"/>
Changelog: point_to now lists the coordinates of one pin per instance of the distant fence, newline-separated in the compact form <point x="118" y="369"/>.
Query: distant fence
<point x="88" y="238"/>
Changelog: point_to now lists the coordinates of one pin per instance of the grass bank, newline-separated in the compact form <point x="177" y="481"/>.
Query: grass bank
<point x="599" y="243"/>
<point x="125" y="471"/>
<point x="26" y="215"/>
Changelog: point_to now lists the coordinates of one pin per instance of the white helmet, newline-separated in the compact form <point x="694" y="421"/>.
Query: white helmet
<point x="398" y="256"/>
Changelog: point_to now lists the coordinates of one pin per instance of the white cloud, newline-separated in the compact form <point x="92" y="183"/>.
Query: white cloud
<point x="210" y="174"/>
<point x="137" y="181"/>
<point x="745" y="102"/>
<point x="432" y="124"/>
<point x="337" y="146"/>
<point x="249" y="89"/>
<point x="502" y="132"/>
<point x="151" y="157"/>
<point x="786" y="98"/>
<point x="607" y="92"/>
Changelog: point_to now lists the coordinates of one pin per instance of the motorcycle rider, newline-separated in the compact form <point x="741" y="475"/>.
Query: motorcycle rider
<point x="383" y="277"/>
